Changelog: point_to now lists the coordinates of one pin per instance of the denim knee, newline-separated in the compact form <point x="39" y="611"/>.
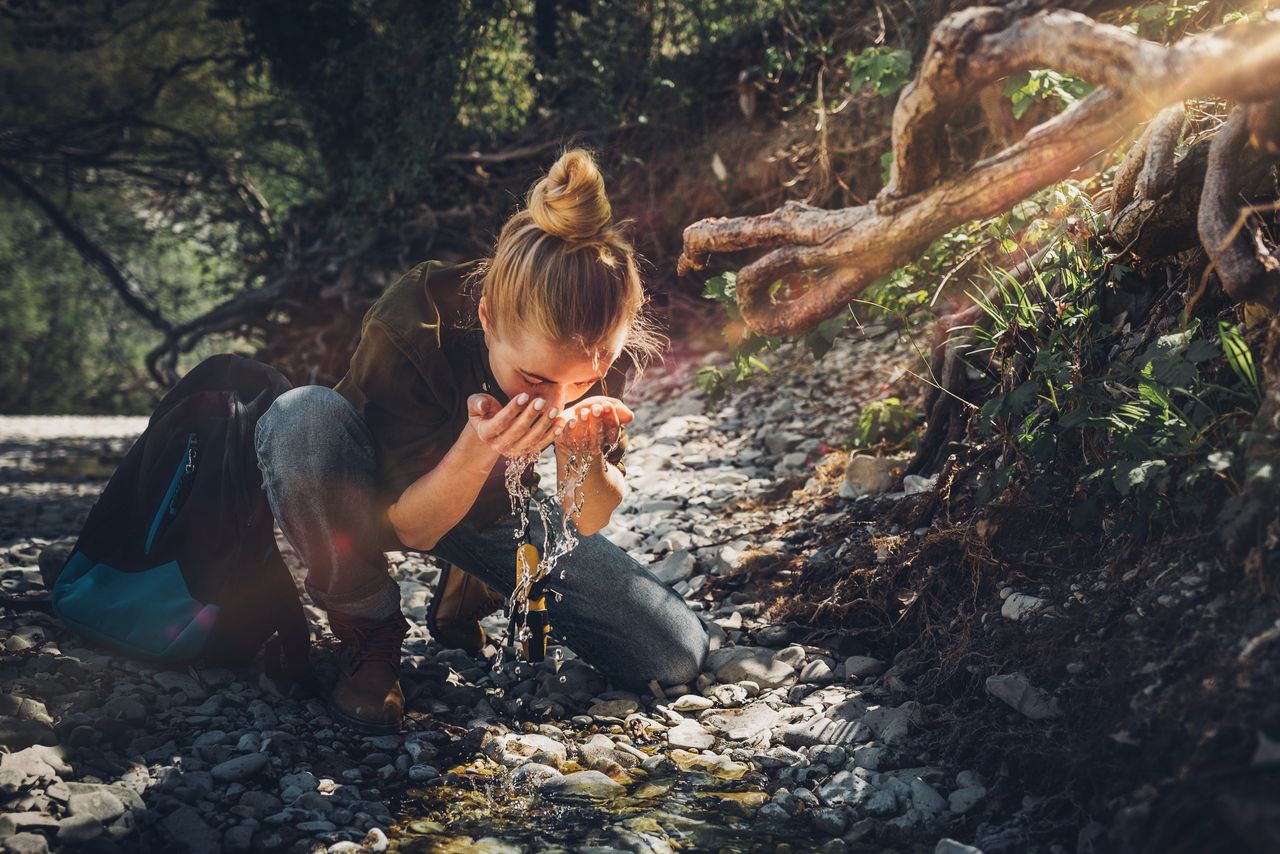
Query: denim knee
<point x="309" y="426"/>
<point x="684" y="656"/>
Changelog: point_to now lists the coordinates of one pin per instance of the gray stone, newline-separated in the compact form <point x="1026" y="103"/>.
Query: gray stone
<point x="736" y="664"/>
<point x="190" y="833"/>
<point x="531" y="775"/>
<point x="176" y="680"/>
<point x="860" y="666"/>
<point x="18" y="733"/>
<point x="78" y="829"/>
<point x="675" y="567"/>
<point x="1020" y="606"/>
<point x="817" y="672"/>
<point x="36" y="763"/>
<point x="613" y="708"/>
<point x="829" y="821"/>
<point x="926" y="798"/>
<point x="889" y="724"/>
<point x="582" y="784"/>
<point x="772" y="636"/>
<point x="691" y="703"/>
<point x="847" y="788"/>
<point x="240" y="767"/>
<point x="101" y="804"/>
<point x="1014" y="690"/>
<point x="867" y="475"/>
<point x="745" y="723"/>
<point x="690" y="735"/>
<point x="950" y="846"/>
<point x="964" y="799"/>
<point x="238" y="838"/>
<point x="26" y="843"/>
<point x="824" y="730"/>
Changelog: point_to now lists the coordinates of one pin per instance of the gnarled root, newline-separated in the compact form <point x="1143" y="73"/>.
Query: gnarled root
<point x="840" y="252"/>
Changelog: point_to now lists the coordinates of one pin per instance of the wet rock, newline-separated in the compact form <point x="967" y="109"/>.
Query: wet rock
<point x="598" y="747"/>
<point x="1014" y="690"/>
<point x="516" y="749"/>
<point x="582" y="784"/>
<point x="712" y="763"/>
<point x="532" y="775"/>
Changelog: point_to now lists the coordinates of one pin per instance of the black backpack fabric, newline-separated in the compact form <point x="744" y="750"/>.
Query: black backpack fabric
<point x="177" y="559"/>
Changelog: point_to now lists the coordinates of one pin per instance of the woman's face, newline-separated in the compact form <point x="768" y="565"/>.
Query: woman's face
<point x="523" y="361"/>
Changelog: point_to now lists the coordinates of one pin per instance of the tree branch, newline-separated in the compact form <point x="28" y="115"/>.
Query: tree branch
<point x="93" y="254"/>
<point x="852" y="247"/>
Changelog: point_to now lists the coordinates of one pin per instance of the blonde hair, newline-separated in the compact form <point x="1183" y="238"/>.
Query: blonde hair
<point x="563" y="268"/>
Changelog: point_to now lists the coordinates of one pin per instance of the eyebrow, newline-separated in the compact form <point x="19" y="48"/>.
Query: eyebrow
<point x="549" y="380"/>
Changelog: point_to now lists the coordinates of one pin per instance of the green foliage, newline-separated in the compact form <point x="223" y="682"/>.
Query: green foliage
<point x="885" y="422"/>
<point x="884" y="69"/>
<point x="1059" y="90"/>
<point x="1157" y="424"/>
<point x="746" y="347"/>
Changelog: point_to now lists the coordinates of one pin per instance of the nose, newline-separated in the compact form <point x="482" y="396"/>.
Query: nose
<point x="557" y="398"/>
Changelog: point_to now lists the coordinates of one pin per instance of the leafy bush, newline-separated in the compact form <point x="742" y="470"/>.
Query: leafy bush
<point x="885" y="422"/>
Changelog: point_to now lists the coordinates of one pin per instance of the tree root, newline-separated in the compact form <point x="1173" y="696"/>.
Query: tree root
<point x="823" y="258"/>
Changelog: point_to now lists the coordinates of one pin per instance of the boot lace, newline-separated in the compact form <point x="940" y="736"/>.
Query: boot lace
<point x="369" y="640"/>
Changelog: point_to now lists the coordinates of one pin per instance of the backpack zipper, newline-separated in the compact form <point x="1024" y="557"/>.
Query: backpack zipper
<point x="182" y="479"/>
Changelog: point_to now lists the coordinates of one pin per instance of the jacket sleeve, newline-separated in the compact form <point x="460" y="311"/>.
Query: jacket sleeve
<point x="410" y="417"/>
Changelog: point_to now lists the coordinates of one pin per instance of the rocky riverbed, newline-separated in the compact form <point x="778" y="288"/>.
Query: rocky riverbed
<point x="779" y="744"/>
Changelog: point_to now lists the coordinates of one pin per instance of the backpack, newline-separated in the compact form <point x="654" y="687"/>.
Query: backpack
<point x="178" y="558"/>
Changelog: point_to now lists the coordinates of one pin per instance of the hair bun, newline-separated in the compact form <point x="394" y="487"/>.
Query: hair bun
<point x="569" y="201"/>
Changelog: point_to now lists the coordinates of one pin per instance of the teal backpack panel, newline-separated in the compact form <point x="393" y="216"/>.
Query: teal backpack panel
<point x="149" y="613"/>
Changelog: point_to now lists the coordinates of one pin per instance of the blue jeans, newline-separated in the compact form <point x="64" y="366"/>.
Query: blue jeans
<point x="319" y="471"/>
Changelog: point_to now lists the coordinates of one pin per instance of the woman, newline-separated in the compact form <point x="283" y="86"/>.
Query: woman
<point x="410" y="450"/>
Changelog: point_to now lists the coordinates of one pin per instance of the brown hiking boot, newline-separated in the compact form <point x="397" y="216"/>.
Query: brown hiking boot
<point x="367" y="695"/>
<point x="460" y="602"/>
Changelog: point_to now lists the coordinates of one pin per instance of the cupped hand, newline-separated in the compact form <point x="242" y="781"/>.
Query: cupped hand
<point x="592" y="424"/>
<point x="525" y="426"/>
